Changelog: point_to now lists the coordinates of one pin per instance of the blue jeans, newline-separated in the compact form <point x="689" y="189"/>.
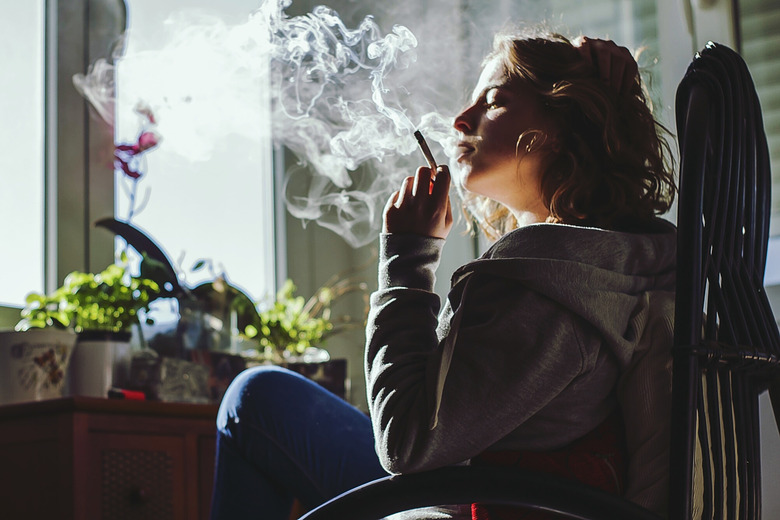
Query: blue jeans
<point x="281" y="436"/>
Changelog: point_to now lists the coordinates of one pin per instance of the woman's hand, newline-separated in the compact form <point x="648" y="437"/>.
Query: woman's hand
<point x="422" y="205"/>
<point x="615" y="64"/>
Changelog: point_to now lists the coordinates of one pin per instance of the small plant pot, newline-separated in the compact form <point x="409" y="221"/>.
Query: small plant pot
<point x="33" y="364"/>
<point x="100" y="361"/>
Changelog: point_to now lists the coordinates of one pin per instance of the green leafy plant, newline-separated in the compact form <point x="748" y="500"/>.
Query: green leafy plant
<point x="291" y="324"/>
<point x="106" y="301"/>
<point x="287" y="325"/>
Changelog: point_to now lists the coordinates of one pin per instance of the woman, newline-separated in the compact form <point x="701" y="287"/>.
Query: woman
<point x="559" y="159"/>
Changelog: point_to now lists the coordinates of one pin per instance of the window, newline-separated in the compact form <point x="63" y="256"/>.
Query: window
<point x="759" y="32"/>
<point x="207" y="189"/>
<point x="78" y="183"/>
<point x="74" y="185"/>
<point x="22" y="151"/>
<point x="68" y="176"/>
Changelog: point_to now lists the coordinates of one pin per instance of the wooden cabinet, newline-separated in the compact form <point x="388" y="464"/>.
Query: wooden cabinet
<point x="87" y="458"/>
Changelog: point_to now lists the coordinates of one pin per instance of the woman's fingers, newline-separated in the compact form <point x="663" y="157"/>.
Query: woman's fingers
<point x="624" y="69"/>
<point x="406" y="192"/>
<point x="392" y="201"/>
<point x="440" y="187"/>
<point x="617" y="73"/>
<point x="615" y="64"/>
<point x="603" y="59"/>
<point x="421" y="206"/>
<point x="441" y="193"/>
<point x="422" y="181"/>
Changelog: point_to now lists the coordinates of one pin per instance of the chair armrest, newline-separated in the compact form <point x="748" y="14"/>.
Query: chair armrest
<point x="467" y="484"/>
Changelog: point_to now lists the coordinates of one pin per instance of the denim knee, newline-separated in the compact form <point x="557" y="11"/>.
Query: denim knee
<point x="254" y="393"/>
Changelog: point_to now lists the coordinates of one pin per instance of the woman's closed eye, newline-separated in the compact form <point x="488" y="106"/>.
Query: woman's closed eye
<point x="494" y="98"/>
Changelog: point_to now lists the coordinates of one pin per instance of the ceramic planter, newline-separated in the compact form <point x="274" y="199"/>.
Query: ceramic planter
<point x="100" y="360"/>
<point x="33" y="364"/>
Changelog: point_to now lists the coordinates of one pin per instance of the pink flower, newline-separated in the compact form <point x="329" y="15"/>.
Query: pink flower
<point x="127" y="156"/>
<point x="147" y="140"/>
<point x="124" y="159"/>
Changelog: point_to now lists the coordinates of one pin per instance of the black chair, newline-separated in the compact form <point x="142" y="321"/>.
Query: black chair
<point x="727" y="345"/>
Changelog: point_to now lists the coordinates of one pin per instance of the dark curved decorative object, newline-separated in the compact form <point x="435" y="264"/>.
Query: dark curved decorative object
<point x="724" y="361"/>
<point x="468" y="484"/>
<point x="145" y="246"/>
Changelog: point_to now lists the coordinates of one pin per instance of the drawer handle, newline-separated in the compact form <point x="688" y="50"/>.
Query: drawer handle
<point x="139" y="495"/>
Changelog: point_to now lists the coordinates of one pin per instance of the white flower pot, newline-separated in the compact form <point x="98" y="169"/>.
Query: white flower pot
<point x="98" y="364"/>
<point x="33" y="364"/>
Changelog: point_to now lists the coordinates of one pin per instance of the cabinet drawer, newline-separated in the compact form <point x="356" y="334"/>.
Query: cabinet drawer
<point x="136" y="477"/>
<point x="90" y="459"/>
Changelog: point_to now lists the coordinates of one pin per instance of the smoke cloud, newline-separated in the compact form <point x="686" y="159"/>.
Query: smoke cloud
<point x="341" y="94"/>
<point x="345" y="101"/>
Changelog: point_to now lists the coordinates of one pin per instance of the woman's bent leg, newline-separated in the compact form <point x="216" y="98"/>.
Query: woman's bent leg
<point x="281" y="436"/>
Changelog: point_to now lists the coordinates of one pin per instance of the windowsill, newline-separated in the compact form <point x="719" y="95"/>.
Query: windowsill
<point x="9" y="316"/>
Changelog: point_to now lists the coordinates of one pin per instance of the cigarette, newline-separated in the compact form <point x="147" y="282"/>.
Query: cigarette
<point x="425" y="150"/>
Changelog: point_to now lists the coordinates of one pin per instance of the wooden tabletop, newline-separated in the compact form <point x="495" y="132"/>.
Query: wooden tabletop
<point x="117" y="406"/>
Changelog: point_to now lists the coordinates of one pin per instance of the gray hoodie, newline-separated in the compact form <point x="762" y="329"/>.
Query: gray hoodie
<point x="527" y="351"/>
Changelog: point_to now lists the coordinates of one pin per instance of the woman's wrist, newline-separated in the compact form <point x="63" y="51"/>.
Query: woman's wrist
<point x="408" y="260"/>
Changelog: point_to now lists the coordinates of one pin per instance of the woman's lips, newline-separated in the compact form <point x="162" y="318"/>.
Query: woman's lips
<point x="464" y="149"/>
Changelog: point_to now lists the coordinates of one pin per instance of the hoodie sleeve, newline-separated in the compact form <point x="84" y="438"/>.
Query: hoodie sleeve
<point x="515" y="351"/>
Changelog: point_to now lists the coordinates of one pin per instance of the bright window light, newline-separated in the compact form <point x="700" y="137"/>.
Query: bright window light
<point x="21" y="151"/>
<point x="206" y="189"/>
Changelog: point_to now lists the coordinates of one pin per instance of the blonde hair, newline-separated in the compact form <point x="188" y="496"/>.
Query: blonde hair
<point x="609" y="163"/>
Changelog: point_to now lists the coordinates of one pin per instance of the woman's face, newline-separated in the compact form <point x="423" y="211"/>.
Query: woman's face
<point x="492" y="162"/>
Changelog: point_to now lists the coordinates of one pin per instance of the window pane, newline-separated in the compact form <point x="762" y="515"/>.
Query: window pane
<point x="760" y="32"/>
<point x="206" y="189"/>
<point x="21" y="150"/>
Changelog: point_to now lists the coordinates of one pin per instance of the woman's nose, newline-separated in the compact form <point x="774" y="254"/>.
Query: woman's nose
<point x="462" y="123"/>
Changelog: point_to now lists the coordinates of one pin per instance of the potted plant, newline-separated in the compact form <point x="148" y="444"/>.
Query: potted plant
<point x="208" y="314"/>
<point x="292" y="331"/>
<point x="101" y="308"/>
<point x="221" y="325"/>
<point x="291" y="328"/>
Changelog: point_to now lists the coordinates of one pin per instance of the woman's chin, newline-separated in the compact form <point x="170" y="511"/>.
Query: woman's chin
<point x="468" y="179"/>
<point x="460" y="173"/>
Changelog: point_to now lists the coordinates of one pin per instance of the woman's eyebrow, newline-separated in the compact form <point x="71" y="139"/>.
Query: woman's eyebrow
<point x="487" y="89"/>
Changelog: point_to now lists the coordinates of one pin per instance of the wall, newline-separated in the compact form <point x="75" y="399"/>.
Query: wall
<point x="770" y="438"/>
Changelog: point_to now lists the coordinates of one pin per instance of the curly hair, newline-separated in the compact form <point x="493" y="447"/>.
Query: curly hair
<point x="609" y="163"/>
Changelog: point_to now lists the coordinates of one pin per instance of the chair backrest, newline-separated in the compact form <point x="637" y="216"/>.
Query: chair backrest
<point x="727" y="346"/>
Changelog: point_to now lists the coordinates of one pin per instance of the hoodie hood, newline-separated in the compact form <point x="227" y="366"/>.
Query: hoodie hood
<point x="600" y="275"/>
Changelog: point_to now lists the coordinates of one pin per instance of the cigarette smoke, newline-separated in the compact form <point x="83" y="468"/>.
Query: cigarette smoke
<point x="345" y="101"/>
